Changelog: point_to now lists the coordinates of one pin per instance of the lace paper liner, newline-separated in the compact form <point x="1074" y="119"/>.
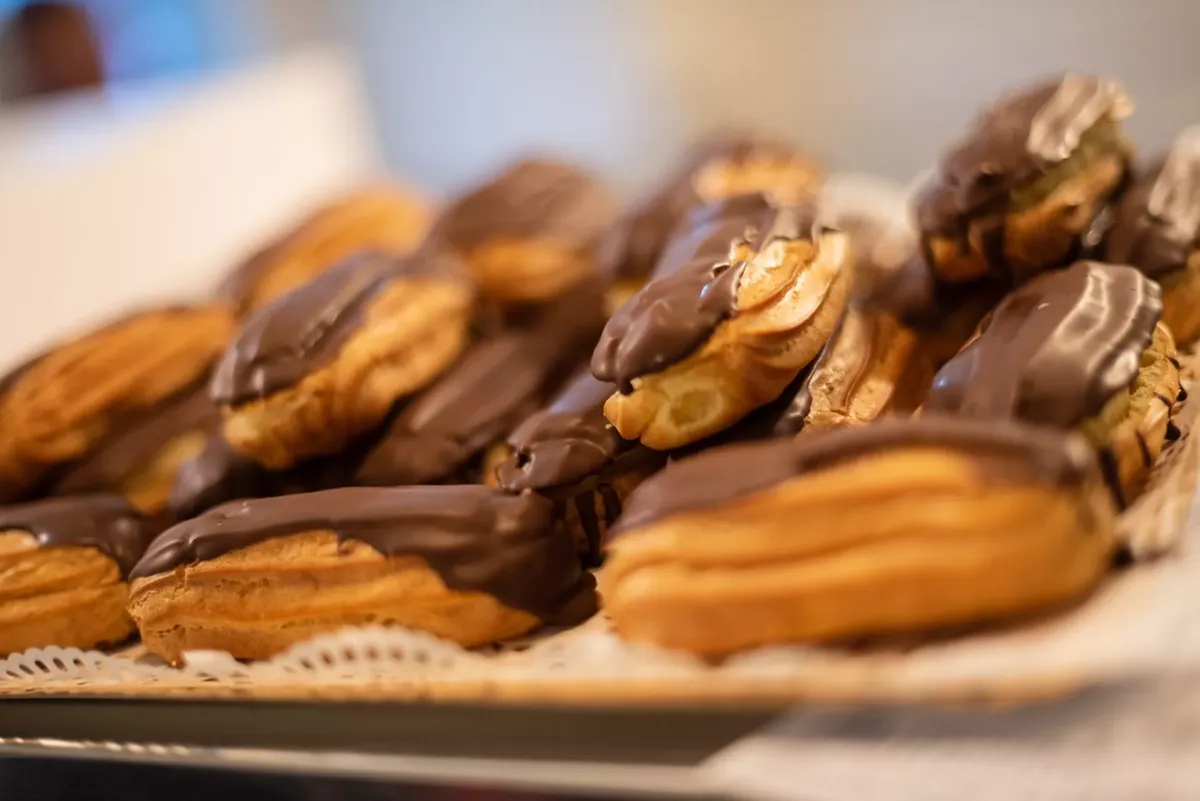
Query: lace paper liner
<point x="1137" y="623"/>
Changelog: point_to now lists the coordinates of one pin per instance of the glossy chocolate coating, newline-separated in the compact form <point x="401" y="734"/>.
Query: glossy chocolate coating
<point x="477" y="539"/>
<point x="564" y="443"/>
<point x="216" y="475"/>
<point x="1012" y="144"/>
<point x="133" y="446"/>
<point x="104" y="522"/>
<point x="1056" y="350"/>
<point x="1158" y="222"/>
<point x="535" y="199"/>
<point x="694" y="287"/>
<point x="304" y="330"/>
<point x="486" y="393"/>
<point x="1004" y="450"/>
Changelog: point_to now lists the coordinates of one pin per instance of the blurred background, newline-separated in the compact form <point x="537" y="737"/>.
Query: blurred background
<point x="454" y="86"/>
<point x="145" y="145"/>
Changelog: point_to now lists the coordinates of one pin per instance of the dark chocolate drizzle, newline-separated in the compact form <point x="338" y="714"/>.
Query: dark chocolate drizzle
<point x="1056" y="350"/>
<point x="1004" y="450"/>
<point x="477" y="539"/>
<point x="694" y="287"/>
<point x="492" y="388"/>
<point x="304" y="330"/>
<point x="105" y="522"/>
<point x="533" y="198"/>
<point x="1158" y="222"/>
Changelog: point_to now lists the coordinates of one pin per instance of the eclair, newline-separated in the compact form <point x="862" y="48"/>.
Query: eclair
<point x="325" y="363"/>
<point x="875" y="361"/>
<point x="1078" y="348"/>
<point x="142" y="460"/>
<point x="900" y="527"/>
<point x="1157" y="230"/>
<point x="718" y="169"/>
<point x="529" y="233"/>
<point x="570" y="453"/>
<point x="379" y="219"/>
<point x="743" y="299"/>
<point x="61" y="406"/>
<point x="497" y="383"/>
<point x="471" y="564"/>
<point x="1027" y="185"/>
<point x="63" y="564"/>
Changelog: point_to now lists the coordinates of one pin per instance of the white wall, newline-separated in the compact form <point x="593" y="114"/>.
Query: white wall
<point x="870" y="84"/>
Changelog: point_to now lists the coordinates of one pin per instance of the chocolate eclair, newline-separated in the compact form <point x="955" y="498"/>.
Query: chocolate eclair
<point x="1026" y="186"/>
<point x="325" y="363"/>
<point x="744" y="297"/>
<point x="723" y="167"/>
<point x="469" y="563"/>
<point x="1157" y="230"/>
<point x="61" y="406"/>
<point x="875" y="361"/>
<point x="478" y="401"/>
<point x="141" y="459"/>
<point x="63" y="568"/>
<point x="1078" y="348"/>
<point x="379" y="219"/>
<point x="951" y="522"/>
<point x="570" y="453"/>
<point x="529" y="233"/>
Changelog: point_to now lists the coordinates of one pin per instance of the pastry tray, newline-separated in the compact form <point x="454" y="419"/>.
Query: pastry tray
<point x="1136" y="625"/>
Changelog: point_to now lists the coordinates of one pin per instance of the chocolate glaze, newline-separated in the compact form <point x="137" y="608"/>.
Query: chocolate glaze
<point x="497" y="383"/>
<point x="477" y="539"/>
<point x="304" y="330"/>
<point x="633" y="246"/>
<point x="694" y="287"/>
<point x="133" y="446"/>
<point x="105" y="522"/>
<point x="1158" y="222"/>
<point x="534" y="198"/>
<point x="565" y="442"/>
<point x="1004" y="450"/>
<point x="215" y="476"/>
<point x="1056" y="350"/>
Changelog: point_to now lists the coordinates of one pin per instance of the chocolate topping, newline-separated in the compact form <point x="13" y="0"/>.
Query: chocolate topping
<point x="1004" y="450"/>
<point x="215" y="476"/>
<point x="1158" y="222"/>
<point x="132" y="447"/>
<point x="1056" y="350"/>
<point x="694" y="287"/>
<point x="489" y="390"/>
<point x="565" y="442"/>
<point x="535" y="198"/>
<point x="305" y="329"/>
<point x="104" y="522"/>
<point x="1012" y="144"/>
<point x="477" y="539"/>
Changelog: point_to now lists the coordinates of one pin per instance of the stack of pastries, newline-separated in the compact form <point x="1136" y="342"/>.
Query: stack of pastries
<point x="723" y="415"/>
